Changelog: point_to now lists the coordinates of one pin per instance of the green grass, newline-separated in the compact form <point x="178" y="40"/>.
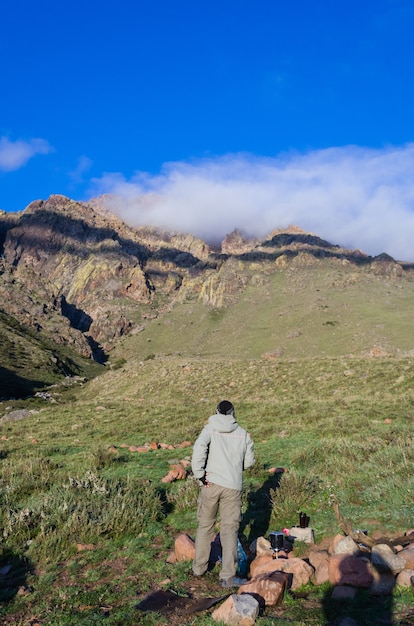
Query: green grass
<point x="324" y="420"/>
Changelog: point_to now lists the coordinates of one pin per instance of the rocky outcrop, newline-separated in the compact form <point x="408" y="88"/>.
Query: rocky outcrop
<point x="77" y="271"/>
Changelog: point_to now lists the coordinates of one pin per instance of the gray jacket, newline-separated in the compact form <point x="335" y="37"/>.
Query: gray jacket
<point x="222" y="450"/>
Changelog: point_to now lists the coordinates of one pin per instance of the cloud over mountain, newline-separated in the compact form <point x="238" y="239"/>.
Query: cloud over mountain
<point x="356" y="197"/>
<point x="15" y="154"/>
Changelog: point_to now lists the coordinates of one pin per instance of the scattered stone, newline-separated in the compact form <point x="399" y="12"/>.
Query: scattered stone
<point x="177" y="472"/>
<point x="270" y="587"/>
<point x="302" y="534"/>
<point x="112" y="449"/>
<point x="237" y="610"/>
<point x="301" y="571"/>
<point x="384" y="559"/>
<point x="405" y="578"/>
<point x="346" y="546"/>
<point x="184" y="444"/>
<point x="347" y="569"/>
<point x="14" y="416"/>
<point x="382" y="584"/>
<point x="171" y="559"/>
<point x="153" y="445"/>
<point x="85" y="546"/>
<point x="319" y="559"/>
<point x="184" y="548"/>
<point x="260" y="547"/>
<point x="5" y="570"/>
<point x="407" y="555"/>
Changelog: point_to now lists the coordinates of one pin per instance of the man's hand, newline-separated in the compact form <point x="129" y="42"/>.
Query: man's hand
<point x="205" y="481"/>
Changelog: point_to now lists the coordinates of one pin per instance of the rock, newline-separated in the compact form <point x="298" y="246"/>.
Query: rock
<point x="342" y="592"/>
<point x="171" y="559"/>
<point x="237" y="610"/>
<point x="184" y="548"/>
<point x="302" y="534"/>
<point x="270" y="587"/>
<point x="405" y="578"/>
<point x="177" y="472"/>
<point x="384" y="559"/>
<point x="81" y="547"/>
<point x="300" y="570"/>
<point x="346" y="546"/>
<point x="347" y="569"/>
<point x="407" y="555"/>
<point x="14" y="416"/>
<point x="383" y="583"/>
<point x="319" y="559"/>
<point x="260" y="547"/>
<point x="184" y="444"/>
<point x="333" y="543"/>
<point x="263" y="564"/>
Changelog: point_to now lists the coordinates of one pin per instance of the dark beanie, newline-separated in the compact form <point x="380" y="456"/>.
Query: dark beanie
<point x="225" y="407"/>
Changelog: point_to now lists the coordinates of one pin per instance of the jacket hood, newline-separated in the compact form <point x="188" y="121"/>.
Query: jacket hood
<point x="223" y="423"/>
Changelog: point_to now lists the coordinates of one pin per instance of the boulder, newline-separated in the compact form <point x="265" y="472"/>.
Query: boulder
<point x="300" y="570"/>
<point x="346" y="545"/>
<point x="184" y="548"/>
<point x="383" y="583"/>
<point x="384" y="559"/>
<point x="347" y="569"/>
<point x="269" y="587"/>
<point x="405" y="578"/>
<point x="407" y="555"/>
<point x="237" y="610"/>
<point x="319" y="559"/>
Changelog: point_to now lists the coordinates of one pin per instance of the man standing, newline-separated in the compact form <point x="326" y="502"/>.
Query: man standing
<point x="220" y="454"/>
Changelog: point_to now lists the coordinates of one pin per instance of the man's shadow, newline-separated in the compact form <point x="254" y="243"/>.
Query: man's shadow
<point x="256" y="518"/>
<point x="362" y="605"/>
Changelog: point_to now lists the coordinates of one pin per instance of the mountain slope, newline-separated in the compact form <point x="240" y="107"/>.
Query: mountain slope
<point x="76" y="274"/>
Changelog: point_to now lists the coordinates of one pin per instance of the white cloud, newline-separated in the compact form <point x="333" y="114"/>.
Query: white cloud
<point x="15" y="154"/>
<point x="352" y="196"/>
<point x="82" y="167"/>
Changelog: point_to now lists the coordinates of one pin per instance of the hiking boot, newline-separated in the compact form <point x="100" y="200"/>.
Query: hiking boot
<point x="234" y="581"/>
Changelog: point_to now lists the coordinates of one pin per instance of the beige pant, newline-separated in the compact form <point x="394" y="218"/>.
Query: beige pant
<point x="227" y="502"/>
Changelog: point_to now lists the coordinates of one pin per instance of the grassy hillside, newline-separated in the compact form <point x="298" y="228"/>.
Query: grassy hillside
<point x="318" y="360"/>
<point x="321" y="310"/>
<point x="31" y="360"/>
<point x="88" y="524"/>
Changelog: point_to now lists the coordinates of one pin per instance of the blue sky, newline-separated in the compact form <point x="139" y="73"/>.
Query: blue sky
<point x="206" y="116"/>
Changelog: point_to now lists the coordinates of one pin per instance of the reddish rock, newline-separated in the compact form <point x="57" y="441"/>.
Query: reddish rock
<point x="177" y="472"/>
<point x="263" y="564"/>
<point x="407" y="555"/>
<point x="153" y="445"/>
<point x="319" y="559"/>
<point x="270" y="587"/>
<point x="172" y="559"/>
<point x="405" y="578"/>
<point x="346" y="569"/>
<point x="237" y="610"/>
<point x="184" y="548"/>
<point x="81" y="547"/>
<point x="334" y="542"/>
<point x="300" y="570"/>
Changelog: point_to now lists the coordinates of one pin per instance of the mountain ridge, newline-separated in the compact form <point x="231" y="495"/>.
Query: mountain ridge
<point x="76" y="272"/>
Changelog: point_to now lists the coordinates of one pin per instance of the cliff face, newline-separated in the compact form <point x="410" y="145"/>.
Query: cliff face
<point x="79" y="273"/>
